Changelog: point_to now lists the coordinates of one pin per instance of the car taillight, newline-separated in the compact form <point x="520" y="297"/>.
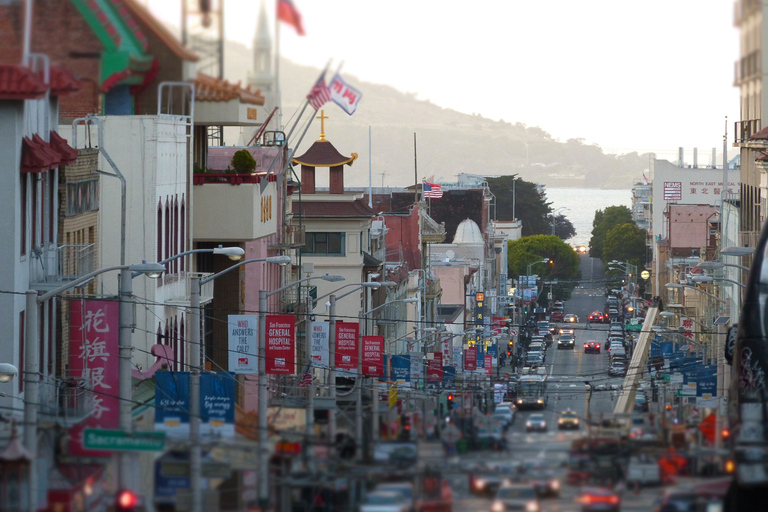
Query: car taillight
<point x="585" y="345"/>
<point x="614" y="500"/>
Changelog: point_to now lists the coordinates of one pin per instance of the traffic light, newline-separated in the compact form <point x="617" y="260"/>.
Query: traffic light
<point x="725" y="434"/>
<point x="126" y="501"/>
<point x="450" y="404"/>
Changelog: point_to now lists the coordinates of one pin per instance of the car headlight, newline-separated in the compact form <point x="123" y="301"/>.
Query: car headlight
<point x="555" y="484"/>
<point x="532" y="506"/>
<point x="560" y="422"/>
<point x="497" y="506"/>
<point x="539" y="401"/>
<point x="520" y="401"/>
<point x="479" y="483"/>
<point x="528" y="424"/>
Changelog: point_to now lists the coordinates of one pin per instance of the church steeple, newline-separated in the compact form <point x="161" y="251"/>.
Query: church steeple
<point x="262" y="77"/>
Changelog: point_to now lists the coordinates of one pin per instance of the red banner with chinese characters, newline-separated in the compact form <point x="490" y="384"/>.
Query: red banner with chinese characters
<point x="497" y="323"/>
<point x="373" y="356"/>
<point x="470" y="359"/>
<point x="346" y="348"/>
<point x="435" y="368"/>
<point x="93" y="356"/>
<point x="280" y="345"/>
<point x="489" y="364"/>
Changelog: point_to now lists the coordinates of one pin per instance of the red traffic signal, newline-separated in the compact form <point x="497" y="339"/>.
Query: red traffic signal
<point x="126" y="501"/>
<point x="450" y="397"/>
<point x="725" y="433"/>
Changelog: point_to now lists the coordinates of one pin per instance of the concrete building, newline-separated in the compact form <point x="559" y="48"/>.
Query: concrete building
<point x="675" y="185"/>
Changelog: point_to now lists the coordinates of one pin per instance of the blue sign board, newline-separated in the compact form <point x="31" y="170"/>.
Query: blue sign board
<point x="667" y="348"/>
<point x="401" y="368"/>
<point x="492" y="351"/>
<point x="449" y="376"/>
<point x="480" y="357"/>
<point x="217" y="404"/>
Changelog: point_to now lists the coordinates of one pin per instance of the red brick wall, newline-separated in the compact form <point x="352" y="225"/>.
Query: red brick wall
<point x="60" y="32"/>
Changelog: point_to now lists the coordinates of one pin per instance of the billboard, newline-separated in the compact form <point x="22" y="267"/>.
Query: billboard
<point x="93" y="353"/>
<point x="401" y="369"/>
<point x="346" y="349"/>
<point x="417" y="368"/>
<point x="217" y="404"/>
<point x="243" y="343"/>
<point x="373" y="356"/>
<point x="280" y="345"/>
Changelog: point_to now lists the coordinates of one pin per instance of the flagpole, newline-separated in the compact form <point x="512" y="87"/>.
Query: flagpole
<point x="416" y="168"/>
<point x="306" y="102"/>
<point x="277" y="71"/>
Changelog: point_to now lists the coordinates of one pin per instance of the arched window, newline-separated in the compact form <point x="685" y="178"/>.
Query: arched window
<point x="160" y="230"/>
<point x="183" y="233"/>
<point x="183" y="344"/>
<point x="175" y="233"/>
<point x="167" y="234"/>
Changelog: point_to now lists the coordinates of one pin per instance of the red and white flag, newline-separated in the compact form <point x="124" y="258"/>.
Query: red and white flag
<point x="319" y="95"/>
<point x="344" y="95"/>
<point x="287" y="13"/>
<point x="431" y="190"/>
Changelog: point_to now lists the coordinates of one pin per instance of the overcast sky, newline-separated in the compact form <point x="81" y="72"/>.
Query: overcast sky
<point x="648" y="75"/>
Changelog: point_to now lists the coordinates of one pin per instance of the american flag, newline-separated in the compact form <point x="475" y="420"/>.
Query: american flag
<point x="431" y="191"/>
<point x="320" y="94"/>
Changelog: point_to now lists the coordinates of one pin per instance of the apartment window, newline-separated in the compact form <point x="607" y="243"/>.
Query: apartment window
<point x="23" y="192"/>
<point x="324" y="244"/>
<point x="82" y="197"/>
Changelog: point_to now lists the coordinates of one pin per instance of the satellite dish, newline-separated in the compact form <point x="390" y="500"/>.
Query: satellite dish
<point x="450" y="254"/>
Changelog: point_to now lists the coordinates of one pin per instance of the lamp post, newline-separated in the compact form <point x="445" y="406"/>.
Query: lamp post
<point x="554" y="216"/>
<point x="263" y="488"/>
<point x="375" y="398"/>
<point x="32" y="361"/>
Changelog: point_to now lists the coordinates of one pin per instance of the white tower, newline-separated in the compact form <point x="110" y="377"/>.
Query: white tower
<point x="262" y="77"/>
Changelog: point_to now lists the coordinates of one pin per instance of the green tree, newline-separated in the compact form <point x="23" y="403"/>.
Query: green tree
<point x="625" y="242"/>
<point x="564" y="262"/>
<point x="243" y="162"/>
<point x="531" y="204"/>
<point x="563" y="227"/>
<point x="605" y="221"/>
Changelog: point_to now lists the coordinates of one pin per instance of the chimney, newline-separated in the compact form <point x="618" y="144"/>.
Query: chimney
<point x="680" y="158"/>
<point x="714" y="158"/>
<point x="307" y="179"/>
<point x="337" y="180"/>
<point x="695" y="158"/>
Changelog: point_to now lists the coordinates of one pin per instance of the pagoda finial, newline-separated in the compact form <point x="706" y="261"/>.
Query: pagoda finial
<point x="322" y="117"/>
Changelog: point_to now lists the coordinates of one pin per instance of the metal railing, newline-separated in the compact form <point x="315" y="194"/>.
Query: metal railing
<point x="76" y="260"/>
<point x="743" y="130"/>
<point x="290" y="237"/>
<point x="69" y="399"/>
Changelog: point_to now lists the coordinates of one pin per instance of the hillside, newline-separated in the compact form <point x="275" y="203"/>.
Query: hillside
<point x="448" y="142"/>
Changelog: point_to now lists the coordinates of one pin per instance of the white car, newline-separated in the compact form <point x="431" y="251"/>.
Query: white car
<point x="385" y="501"/>
<point x="404" y="488"/>
<point x="516" y="497"/>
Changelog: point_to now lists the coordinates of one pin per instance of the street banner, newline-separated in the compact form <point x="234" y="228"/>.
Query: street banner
<point x="417" y="369"/>
<point x="280" y="345"/>
<point x="457" y="351"/>
<point x="401" y="369"/>
<point x="449" y="377"/>
<point x="488" y="365"/>
<point x="346" y="349"/>
<point x="479" y="310"/>
<point x="497" y="322"/>
<point x="243" y="343"/>
<point x="344" y="95"/>
<point x="447" y="345"/>
<point x="480" y="355"/>
<point x="435" y="368"/>
<point x="492" y="349"/>
<point x="470" y="359"/>
<point x="93" y="353"/>
<point x="373" y="351"/>
<point x="687" y="324"/>
<point x="217" y="404"/>
<point x="320" y="346"/>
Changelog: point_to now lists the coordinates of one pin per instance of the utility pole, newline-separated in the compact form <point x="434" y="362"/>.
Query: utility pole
<point x="310" y="421"/>
<point x="332" y="369"/>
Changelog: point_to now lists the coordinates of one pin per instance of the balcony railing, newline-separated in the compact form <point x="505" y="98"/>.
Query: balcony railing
<point x="747" y="67"/>
<point x="68" y="400"/>
<point x="76" y="260"/>
<point x="290" y="237"/>
<point x="743" y="130"/>
<point x="179" y="291"/>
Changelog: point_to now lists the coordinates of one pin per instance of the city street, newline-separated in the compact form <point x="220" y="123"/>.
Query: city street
<point x="568" y="370"/>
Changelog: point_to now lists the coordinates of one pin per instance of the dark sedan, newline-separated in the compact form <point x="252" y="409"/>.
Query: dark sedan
<point x="592" y="347"/>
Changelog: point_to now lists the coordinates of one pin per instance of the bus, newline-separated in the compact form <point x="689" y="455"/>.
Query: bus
<point x="532" y="392"/>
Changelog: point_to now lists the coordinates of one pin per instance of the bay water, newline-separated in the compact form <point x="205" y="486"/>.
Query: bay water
<point x="581" y="204"/>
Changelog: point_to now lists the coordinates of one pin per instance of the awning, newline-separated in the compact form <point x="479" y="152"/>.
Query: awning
<point x="67" y="153"/>
<point x="37" y="155"/>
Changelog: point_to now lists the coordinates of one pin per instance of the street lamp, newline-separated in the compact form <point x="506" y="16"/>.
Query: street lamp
<point x="710" y="279"/>
<point x="375" y="401"/>
<point x="545" y="260"/>
<point x="7" y="372"/>
<point x="32" y="359"/>
<point x="737" y="251"/>
<point x="554" y="216"/>
<point x="717" y="265"/>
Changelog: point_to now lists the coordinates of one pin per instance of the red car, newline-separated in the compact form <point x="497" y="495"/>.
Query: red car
<point x="598" y="317"/>
<point x="599" y="499"/>
<point x="591" y="347"/>
<point x="556" y="316"/>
